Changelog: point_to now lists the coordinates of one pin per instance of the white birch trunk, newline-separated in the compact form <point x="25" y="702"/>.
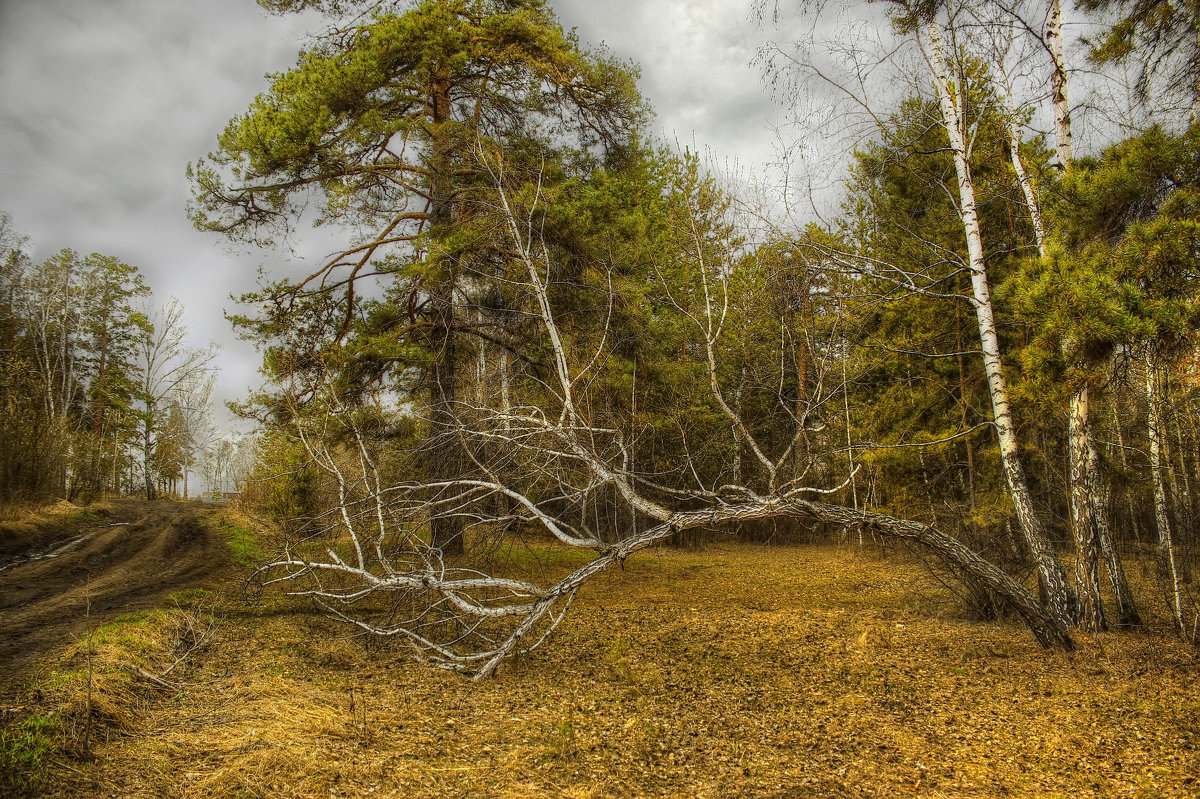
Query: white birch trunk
<point x="1088" y="492"/>
<point x="1058" y="84"/>
<point x="1013" y="129"/>
<point x="1051" y="577"/>
<point x="1083" y="519"/>
<point x="480" y="365"/>
<point x="504" y="401"/>
<point x="1035" y="210"/>
<point x="1088" y="510"/>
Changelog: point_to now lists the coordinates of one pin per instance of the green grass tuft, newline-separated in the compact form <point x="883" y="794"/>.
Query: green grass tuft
<point x="245" y="548"/>
<point x="24" y="751"/>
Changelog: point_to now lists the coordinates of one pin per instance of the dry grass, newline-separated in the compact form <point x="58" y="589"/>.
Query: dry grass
<point x="112" y="679"/>
<point x="27" y="512"/>
<point x="25" y="526"/>
<point x="736" y="671"/>
<point x="35" y="515"/>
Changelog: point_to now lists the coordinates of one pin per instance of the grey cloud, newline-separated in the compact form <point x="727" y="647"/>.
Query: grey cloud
<point x="106" y="102"/>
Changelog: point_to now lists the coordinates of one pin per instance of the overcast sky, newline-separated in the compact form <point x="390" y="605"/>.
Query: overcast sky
<point x="103" y="104"/>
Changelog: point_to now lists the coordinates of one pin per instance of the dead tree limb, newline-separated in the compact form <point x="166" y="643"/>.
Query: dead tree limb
<point x="371" y="562"/>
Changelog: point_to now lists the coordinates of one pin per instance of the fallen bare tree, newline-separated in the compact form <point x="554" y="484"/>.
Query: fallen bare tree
<point x="539" y="453"/>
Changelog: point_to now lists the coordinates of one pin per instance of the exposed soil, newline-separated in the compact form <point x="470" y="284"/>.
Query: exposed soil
<point x="86" y="572"/>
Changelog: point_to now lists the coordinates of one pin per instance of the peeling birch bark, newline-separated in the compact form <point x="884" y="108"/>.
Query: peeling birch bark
<point x="1083" y="520"/>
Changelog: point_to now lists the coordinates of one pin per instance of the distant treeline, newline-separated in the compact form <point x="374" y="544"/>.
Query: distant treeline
<point x="100" y="393"/>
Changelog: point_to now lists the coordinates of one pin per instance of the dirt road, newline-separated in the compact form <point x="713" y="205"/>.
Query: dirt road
<point x="124" y="562"/>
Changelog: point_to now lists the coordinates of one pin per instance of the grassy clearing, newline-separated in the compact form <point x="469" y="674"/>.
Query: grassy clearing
<point x="736" y="671"/>
<point x="90" y="515"/>
<point x="109" y="680"/>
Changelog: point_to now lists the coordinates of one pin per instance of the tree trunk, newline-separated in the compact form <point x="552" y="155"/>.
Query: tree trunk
<point x="1190" y="465"/>
<point x="1167" y="556"/>
<point x="148" y="452"/>
<point x="1045" y="626"/>
<point x="738" y="442"/>
<point x="1179" y="493"/>
<point x="1018" y="163"/>
<point x="1127" y="612"/>
<point x="1083" y="520"/>
<point x="851" y="469"/>
<point x="445" y="452"/>
<point x="1052" y="579"/>
<point x="1058" y="84"/>
<point x="1088" y="489"/>
<point x="1121" y="450"/>
<point x="959" y="345"/>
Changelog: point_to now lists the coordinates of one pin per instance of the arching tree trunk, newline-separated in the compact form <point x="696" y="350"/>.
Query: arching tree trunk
<point x="1041" y="621"/>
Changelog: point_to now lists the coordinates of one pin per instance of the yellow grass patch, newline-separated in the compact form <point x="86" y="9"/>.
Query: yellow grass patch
<point x="735" y="671"/>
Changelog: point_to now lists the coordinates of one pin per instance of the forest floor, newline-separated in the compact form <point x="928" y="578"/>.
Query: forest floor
<point x="734" y="670"/>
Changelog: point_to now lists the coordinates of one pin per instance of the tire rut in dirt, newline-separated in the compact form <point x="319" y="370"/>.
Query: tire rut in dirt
<point x="114" y="569"/>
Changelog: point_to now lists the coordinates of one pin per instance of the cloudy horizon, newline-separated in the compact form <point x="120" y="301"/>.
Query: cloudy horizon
<point x="106" y="104"/>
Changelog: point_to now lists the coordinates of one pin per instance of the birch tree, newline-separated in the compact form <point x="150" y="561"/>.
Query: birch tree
<point x="951" y="98"/>
<point x="1127" y="219"/>
<point x="853" y="74"/>
<point x="193" y="397"/>
<point x="1030" y="30"/>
